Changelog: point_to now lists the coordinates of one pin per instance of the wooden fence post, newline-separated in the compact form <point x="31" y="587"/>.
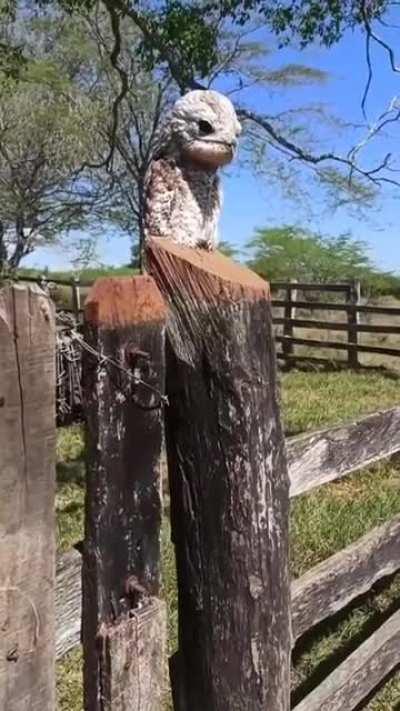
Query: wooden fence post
<point x="229" y="484"/>
<point x="76" y="297"/>
<point x="353" y="299"/>
<point x="124" y="622"/>
<point x="27" y="493"/>
<point x="289" y="314"/>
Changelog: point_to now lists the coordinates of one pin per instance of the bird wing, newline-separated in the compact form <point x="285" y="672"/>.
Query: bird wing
<point x="160" y="198"/>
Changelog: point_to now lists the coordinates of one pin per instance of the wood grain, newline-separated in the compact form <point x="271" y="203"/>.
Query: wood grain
<point x="229" y="487"/>
<point x="331" y="585"/>
<point x="317" y="458"/>
<point x="27" y="500"/>
<point x="68" y="602"/>
<point x="360" y="673"/>
<point x="124" y="321"/>
<point x="134" y="652"/>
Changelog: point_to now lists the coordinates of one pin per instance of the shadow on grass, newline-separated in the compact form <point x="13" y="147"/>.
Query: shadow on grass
<point x="374" y="619"/>
<point x="71" y="472"/>
<point x="375" y="691"/>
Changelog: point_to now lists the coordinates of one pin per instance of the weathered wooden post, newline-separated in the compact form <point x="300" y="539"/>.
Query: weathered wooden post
<point x="353" y="297"/>
<point x="76" y="297"/>
<point x="229" y="484"/>
<point x="124" y="622"/>
<point x="289" y="315"/>
<point x="27" y="491"/>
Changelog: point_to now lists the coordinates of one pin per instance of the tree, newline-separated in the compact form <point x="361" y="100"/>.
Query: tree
<point x="183" y="37"/>
<point x="47" y="139"/>
<point x="290" y="252"/>
<point x="41" y="148"/>
<point x="138" y="57"/>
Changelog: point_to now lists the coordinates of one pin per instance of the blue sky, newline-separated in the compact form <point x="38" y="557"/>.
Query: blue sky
<point x="251" y="202"/>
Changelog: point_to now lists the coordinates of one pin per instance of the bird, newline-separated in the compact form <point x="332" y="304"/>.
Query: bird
<point x="183" y="192"/>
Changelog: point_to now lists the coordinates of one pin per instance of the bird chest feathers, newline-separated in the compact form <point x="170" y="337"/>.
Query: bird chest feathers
<point x="183" y="197"/>
<point x="184" y="204"/>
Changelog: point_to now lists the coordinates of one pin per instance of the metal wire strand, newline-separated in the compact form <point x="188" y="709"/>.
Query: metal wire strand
<point x="67" y="352"/>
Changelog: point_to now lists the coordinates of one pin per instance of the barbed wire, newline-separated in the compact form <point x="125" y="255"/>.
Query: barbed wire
<point x="69" y="325"/>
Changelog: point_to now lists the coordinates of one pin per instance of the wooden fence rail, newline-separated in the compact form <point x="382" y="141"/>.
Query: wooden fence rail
<point x="313" y="460"/>
<point x="351" y="307"/>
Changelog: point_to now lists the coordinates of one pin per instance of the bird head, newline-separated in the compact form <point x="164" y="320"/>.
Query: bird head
<point x="203" y="129"/>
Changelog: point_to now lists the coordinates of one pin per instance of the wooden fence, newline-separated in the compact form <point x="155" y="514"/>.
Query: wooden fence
<point x="287" y="319"/>
<point x="351" y="306"/>
<point x="73" y="284"/>
<point x="230" y="471"/>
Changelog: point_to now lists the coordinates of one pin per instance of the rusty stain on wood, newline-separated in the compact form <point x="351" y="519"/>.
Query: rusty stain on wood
<point x="123" y="301"/>
<point x="221" y="278"/>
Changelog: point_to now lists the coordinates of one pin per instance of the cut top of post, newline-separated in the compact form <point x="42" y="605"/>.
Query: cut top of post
<point x="123" y="301"/>
<point x="220" y="276"/>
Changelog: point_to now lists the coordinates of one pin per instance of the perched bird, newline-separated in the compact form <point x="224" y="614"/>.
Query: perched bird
<point x="184" y="197"/>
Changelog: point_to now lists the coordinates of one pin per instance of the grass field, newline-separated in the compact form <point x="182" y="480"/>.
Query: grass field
<point x="321" y="523"/>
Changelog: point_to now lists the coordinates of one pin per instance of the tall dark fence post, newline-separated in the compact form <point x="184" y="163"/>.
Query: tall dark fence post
<point x="27" y="491"/>
<point x="353" y="300"/>
<point x="76" y="297"/>
<point x="289" y="315"/>
<point x="124" y="622"/>
<point x="229" y="484"/>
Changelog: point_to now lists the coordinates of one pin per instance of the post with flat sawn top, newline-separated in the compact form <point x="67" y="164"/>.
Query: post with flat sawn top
<point x="124" y="621"/>
<point x="228" y="482"/>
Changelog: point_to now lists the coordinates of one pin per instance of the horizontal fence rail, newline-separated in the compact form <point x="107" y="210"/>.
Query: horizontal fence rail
<point x="351" y="307"/>
<point x="313" y="459"/>
<point x="334" y="306"/>
<point x="359" y="674"/>
<point x="339" y="345"/>
<point x="321" y="457"/>
<point x="334" y="583"/>
<point x="317" y="595"/>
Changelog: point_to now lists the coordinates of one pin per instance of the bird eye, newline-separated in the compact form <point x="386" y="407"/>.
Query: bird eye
<point x="205" y="127"/>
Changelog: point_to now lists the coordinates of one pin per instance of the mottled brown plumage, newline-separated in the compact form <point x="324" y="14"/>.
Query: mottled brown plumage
<point x="183" y="193"/>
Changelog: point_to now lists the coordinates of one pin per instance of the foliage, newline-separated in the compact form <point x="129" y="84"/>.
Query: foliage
<point x="47" y="128"/>
<point x="189" y="30"/>
<point x="290" y="252"/>
<point x="110" y="76"/>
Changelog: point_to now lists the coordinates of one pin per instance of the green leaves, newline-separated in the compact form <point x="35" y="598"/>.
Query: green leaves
<point x="290" y="252"/>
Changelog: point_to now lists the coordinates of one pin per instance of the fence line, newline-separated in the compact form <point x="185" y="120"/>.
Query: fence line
<point x="291" y="303"/>
<point x="229" y="502"/>
<point x="352" y="307"/>
<point x="314" y="459"/>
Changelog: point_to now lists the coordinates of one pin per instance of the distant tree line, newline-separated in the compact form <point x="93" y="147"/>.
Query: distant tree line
<point x="86" y="84"/>
<point x="280" y="254"/>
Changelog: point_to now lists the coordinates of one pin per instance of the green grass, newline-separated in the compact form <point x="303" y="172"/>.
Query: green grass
<point x="322" y="523"/>
<point x="314" y="400"/>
